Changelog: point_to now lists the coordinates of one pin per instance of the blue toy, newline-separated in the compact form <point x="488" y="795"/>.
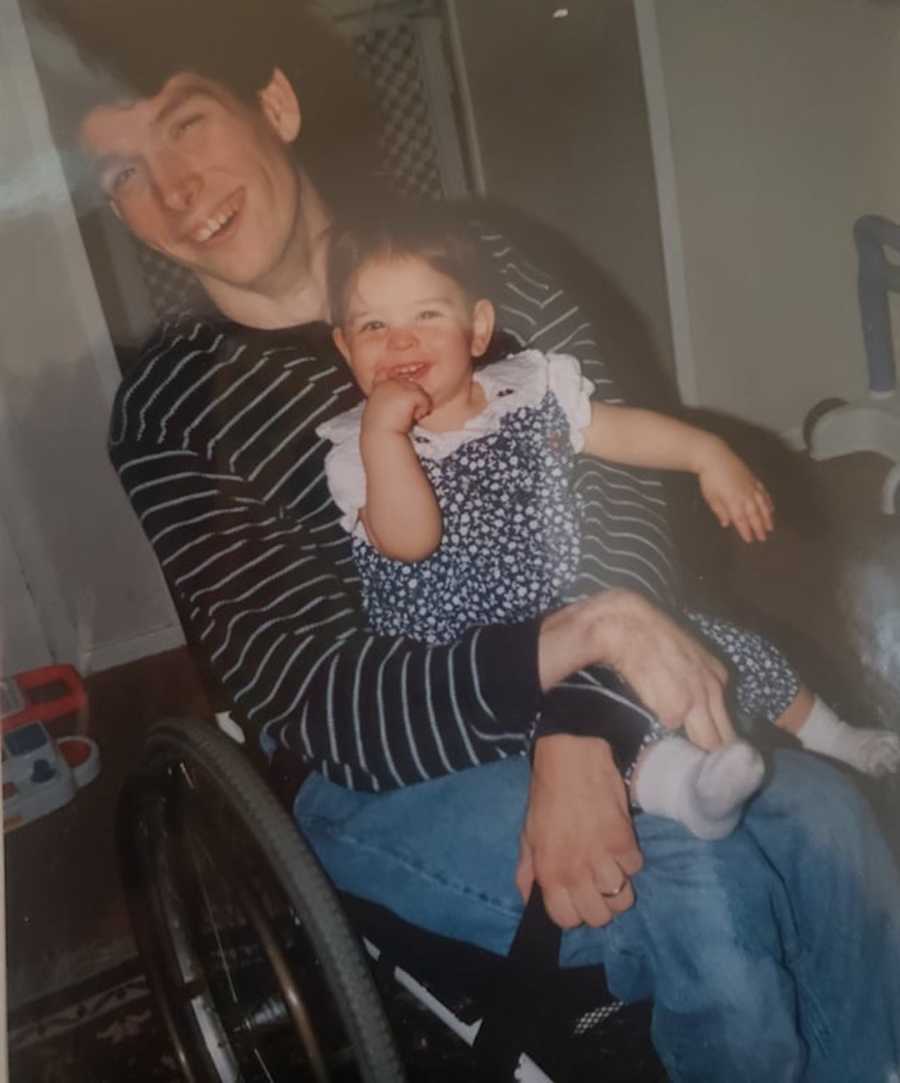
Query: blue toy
<point x="41" y="773"/>
<point x="873" y="424"/>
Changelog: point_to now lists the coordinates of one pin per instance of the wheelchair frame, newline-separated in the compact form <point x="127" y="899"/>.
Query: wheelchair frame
<point x="252" y="960"/>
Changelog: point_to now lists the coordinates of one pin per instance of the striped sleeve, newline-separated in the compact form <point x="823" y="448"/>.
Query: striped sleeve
<point x="280" y="623"/>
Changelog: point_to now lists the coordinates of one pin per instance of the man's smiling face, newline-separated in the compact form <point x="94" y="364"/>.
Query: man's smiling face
<point x="204" y="178"/>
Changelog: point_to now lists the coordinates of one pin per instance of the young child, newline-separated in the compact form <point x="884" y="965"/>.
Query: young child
<point x="455" y="484"/>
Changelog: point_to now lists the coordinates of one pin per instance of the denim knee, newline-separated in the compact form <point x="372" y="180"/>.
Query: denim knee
<point x="442" y="854"/>
<point x="712" y="940"/>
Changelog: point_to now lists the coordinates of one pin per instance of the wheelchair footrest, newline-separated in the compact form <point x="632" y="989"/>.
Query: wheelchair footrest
<point x="584" y="1034"/>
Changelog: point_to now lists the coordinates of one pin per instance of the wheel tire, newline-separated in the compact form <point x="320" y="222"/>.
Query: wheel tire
<point x="816" y="414"/>
<point x="185" y="763"/>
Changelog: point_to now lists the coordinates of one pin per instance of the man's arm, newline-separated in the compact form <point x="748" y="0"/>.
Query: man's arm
<point x="273" y="603"/>
<point x="670" y="672"/>
<point x="577" y="840"/>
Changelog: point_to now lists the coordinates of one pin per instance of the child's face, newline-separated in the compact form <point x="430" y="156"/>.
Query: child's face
<point x="405" y="320"/>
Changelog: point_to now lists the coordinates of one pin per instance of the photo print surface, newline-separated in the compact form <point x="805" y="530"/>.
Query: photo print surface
<point x="701" y="206"/>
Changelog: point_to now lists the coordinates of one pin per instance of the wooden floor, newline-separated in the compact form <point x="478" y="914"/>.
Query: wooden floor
<point x="827" y="587"/>
<point x="65" y="915"/>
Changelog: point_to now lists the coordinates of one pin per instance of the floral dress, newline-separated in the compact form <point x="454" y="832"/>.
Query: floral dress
<point x="511" y="522"/>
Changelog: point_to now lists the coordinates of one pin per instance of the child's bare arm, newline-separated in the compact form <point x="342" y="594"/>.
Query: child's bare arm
<point x="643" y="438"/>
<point x="401" y="516"/>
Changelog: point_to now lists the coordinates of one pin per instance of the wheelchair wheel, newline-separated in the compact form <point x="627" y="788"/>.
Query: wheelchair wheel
<point x="256" y="973"/>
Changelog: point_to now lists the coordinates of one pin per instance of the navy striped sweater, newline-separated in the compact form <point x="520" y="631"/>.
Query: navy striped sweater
<point x="213" y="437"/>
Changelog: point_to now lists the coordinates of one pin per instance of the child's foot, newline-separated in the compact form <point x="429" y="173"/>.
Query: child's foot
<point x="874" y="752"/>
<point x="706" y="791"/>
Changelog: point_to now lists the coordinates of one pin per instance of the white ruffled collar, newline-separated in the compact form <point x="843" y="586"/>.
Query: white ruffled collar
<point x="509" y="385"/>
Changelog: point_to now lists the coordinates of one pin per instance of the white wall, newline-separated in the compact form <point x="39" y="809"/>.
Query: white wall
<point x="97" y="589"/>
<point x="22" y="641"/>
<point x="784" y="128"/>
<point x="563" y="131"/>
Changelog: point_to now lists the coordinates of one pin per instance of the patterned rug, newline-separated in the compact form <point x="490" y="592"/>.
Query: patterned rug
<point x="106" y="1030"/>
<point x="103" y="1030"/>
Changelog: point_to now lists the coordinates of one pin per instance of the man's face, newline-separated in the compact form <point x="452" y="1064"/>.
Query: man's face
<point x="203" y="178"/>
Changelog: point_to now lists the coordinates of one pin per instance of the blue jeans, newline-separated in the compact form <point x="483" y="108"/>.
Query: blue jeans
<point x="770" y="955"/>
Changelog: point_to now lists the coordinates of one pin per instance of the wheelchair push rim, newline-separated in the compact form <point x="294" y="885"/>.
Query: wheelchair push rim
<point x="255" y="970"/>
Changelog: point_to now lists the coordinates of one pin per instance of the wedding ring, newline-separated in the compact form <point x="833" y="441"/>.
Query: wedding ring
<point x="618" y="891"/>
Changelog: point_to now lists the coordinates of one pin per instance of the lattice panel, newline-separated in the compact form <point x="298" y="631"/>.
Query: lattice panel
<point x="169" y="286"/>
<point x="392" y="62"/>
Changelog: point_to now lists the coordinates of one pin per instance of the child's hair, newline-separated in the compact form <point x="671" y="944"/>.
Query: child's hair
<point x="402" y="229"/>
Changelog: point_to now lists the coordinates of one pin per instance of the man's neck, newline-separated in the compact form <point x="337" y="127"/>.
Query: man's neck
<point x="296" y="290"/>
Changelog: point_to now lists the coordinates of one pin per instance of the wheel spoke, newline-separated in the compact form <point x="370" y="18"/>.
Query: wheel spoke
<point x="288" y="987"/>
<point x="217" y="876"/>
<point x="214" y="925"/>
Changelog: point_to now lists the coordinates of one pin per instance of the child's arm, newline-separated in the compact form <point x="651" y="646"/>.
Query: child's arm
<point x="401" y="516"/>
<point x="643" y="438"/>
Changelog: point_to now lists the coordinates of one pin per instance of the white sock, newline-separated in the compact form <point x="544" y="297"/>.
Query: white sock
<point x="874" y="752"/>
<point x="705" y="791"/>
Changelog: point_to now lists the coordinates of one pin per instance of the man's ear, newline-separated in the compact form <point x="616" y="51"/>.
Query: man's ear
<point x="281" y="107"/>
<point x="338" y="335"/>
<point x="483" y="319"/>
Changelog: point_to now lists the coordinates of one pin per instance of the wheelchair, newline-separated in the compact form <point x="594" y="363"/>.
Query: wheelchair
<point x="262" y="973"/>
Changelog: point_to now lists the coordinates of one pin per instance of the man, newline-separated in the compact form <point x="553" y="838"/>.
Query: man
<point x="771" y="954"/>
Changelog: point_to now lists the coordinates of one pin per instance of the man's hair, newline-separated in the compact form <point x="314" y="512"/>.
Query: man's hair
<point x="400" y="229"/>
<point x="133" y="47"/>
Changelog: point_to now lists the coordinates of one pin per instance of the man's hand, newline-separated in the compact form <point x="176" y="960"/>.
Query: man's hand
<point x="672" y="674"/>
<point x="395" y="406"/>
<point x="734" y="494"/>
<point x="578" y="841"/>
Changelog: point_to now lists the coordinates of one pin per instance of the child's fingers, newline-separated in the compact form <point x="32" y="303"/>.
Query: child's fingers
<point x="750" y="521"/>
<point x="720" y="510"/>
<point x="762" y="494"/>
<point x="748" y="518"/>
<point x="754" y="519"/>
<point x="743" y="525"/>
<point x="757" y="522"/>
<point x="760" y="511"/>
<point x="766" y="510"/>
<point x="422" y="408"/>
